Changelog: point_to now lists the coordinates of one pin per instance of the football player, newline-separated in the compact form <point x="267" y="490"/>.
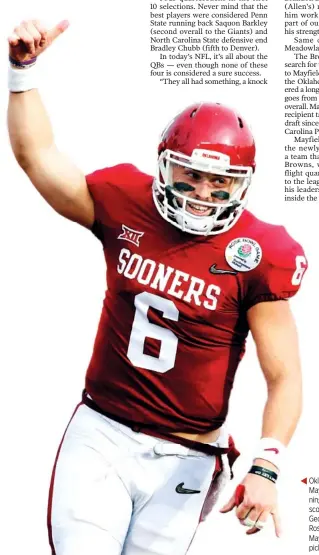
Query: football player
<point x="189" y="273"/>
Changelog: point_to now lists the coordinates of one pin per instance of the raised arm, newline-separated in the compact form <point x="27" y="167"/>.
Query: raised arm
<point x="56" y="178"/>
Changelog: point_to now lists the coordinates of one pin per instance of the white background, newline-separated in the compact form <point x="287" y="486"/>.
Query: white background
<point x="105" y="109"/>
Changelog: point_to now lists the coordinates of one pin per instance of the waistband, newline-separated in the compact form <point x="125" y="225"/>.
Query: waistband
<point x="207" y="448"/>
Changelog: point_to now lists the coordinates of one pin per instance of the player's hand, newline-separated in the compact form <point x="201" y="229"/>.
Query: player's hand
<point x="254" y="503"/>
<point x="31" y="38"/>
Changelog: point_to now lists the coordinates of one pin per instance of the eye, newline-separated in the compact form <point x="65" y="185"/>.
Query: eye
<point x="221" y="182"/>
<point x="193" y="175"/>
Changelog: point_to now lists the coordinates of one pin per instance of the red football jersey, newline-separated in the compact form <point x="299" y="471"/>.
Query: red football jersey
<point x="173" y="324"/>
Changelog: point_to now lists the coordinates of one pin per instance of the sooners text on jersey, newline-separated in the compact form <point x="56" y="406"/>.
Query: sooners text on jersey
<point x="173" y="325"/>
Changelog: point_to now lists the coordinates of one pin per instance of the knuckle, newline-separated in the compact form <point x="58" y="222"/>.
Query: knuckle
<point x="40" y="26"/>
<point x="241" y="514"/>
<point x="31" y="30"/>
<point x="253" y="513"/>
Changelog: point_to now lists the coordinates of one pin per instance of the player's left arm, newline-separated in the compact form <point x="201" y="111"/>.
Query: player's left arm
<point x="274" y="332"/>
<point x="277" y="278"/>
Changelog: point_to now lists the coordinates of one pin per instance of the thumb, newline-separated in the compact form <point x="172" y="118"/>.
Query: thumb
<point x="229" y="506"/>
<point x="58" y="29"/>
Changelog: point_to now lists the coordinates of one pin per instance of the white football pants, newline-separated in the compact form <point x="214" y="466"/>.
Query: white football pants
<point x="114" y="491"/>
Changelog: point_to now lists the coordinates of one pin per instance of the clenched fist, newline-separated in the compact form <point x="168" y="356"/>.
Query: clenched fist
<point x="31" y="38"/>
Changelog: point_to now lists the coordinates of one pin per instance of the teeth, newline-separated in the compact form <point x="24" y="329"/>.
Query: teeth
<point x="198" y="208"/>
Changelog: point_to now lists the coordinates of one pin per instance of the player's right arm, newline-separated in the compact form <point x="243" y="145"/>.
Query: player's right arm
<point x="57" y="179"/>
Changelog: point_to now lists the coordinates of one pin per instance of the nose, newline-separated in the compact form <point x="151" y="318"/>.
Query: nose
<point x="203" y="190"/>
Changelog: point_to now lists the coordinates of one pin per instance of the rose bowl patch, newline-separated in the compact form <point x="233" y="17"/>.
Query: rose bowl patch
<point x="243" y="254"/>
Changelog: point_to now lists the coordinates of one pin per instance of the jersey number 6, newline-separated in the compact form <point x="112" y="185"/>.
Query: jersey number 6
<point x="143" y="328"/>
<point x="301" y="265"/>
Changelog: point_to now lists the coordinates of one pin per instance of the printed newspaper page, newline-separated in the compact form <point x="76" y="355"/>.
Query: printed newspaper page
<point x="113" y="84"/>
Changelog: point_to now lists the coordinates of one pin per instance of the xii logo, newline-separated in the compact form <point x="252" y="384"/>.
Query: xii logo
<point x="131" y="235"/>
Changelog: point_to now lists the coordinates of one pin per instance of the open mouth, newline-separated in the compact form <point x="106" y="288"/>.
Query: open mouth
<point x="198" y="210"/>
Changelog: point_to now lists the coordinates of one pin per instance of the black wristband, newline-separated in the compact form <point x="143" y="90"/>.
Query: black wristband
<point x="264" y="472"/>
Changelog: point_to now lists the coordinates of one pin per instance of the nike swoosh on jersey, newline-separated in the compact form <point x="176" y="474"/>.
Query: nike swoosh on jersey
<point x="181" y="489"/>
<point x="272" y="449"/>
<point x="214" y="270"/>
